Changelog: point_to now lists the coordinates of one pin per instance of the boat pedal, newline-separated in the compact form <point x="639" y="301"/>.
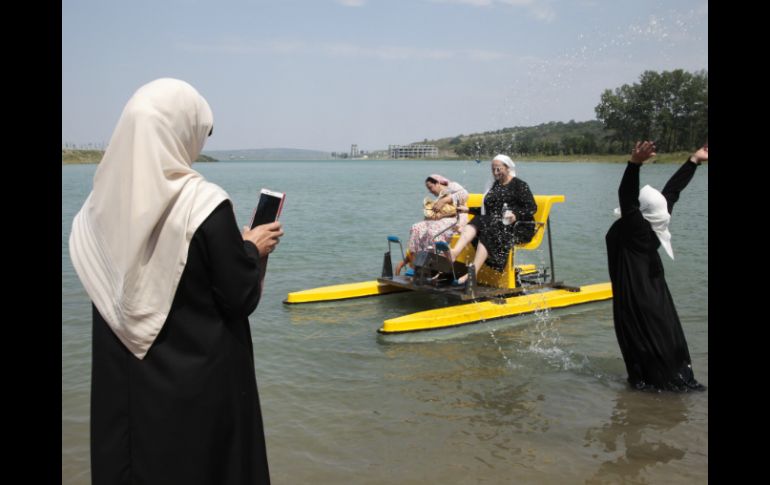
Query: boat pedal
<point x="442" y="246"/>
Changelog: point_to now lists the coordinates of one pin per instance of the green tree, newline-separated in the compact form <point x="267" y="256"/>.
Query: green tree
<point x="669" y="107"/>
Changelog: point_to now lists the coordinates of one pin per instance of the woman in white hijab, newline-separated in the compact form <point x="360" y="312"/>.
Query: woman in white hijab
<point x="507" y="200"/>
<point x="647" y="326"/>
<point x="172" y="280"/>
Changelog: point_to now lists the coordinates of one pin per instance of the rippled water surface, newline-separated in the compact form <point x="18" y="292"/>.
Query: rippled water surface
<point x="534" y="399"/>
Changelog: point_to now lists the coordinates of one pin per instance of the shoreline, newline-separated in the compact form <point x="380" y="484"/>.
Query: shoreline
<point x="84" y="157"/>
<point x="80" y="157"/>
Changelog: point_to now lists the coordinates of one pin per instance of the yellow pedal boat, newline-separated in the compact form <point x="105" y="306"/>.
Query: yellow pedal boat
<point x="517" y="290"/>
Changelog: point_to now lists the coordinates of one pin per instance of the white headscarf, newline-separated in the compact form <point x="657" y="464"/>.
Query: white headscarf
<point x="653" y="206"/>
<point x="491" y="181"/>
<point x="129" y="241"/>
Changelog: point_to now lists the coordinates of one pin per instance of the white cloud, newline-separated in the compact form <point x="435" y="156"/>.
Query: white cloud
<point x="540" y="9"/>
<point x="519" y="3"/>
<point x="340" y="49"/>
<point x="474" y="3"/>
<point x="482" y="55"/>
<point x="351" y="3"/>
<point x="385" y="52"/>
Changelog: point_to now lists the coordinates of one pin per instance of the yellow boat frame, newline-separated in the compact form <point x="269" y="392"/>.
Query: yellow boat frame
<point x="514" y="291"/>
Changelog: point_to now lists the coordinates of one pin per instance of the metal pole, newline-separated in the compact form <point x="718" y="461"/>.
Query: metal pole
<point x="550" y="249"/>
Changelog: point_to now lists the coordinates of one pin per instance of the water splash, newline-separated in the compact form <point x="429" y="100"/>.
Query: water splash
<point x="656" y="41"/>
<point x="506" y="359"/>
<point x="548" y="343"/>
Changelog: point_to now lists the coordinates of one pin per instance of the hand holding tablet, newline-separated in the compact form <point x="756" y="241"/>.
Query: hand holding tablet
<point x="268" y="208"/>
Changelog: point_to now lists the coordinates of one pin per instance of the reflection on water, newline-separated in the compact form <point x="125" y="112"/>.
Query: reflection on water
<point x="482" y="406"/>
<point x="540" y="398"/>
<point x="635" y="437"/>
<point x="512" y="405"/>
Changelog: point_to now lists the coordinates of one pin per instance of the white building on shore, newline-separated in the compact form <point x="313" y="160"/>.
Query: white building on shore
<point x="413" y="151"/>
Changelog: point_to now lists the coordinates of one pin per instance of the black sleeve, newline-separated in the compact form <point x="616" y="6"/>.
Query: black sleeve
<point x="634" y="225"/>
<point x="628" y="193"/>
<point x="236" y="269"/>
<point x="525" y="206"/>
<point x="677" y="183"/>
<point x="476" y="211"/>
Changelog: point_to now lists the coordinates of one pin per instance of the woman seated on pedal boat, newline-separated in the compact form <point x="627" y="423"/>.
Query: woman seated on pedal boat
<point x="440" y="217"/>
<point x="493" y="230"/>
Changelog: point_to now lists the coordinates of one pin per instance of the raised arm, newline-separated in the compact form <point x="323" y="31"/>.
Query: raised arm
<point x="628" y="192"/>
<point x="682" y="177"/>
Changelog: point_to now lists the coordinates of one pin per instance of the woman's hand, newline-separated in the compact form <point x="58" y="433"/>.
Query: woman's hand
<point x="702" y="155"/>
<point x="642" y="152"/>
<point x="441" y="203"/>
<point x="509" y="217"/>
<point x="462" y="208"/>
<point x="264" y="237"/>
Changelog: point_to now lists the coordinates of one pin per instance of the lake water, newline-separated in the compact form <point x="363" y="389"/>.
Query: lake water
<point x="535" y="399"/>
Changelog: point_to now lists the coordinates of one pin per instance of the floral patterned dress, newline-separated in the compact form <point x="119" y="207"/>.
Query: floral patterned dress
<point x="422" y="234"/>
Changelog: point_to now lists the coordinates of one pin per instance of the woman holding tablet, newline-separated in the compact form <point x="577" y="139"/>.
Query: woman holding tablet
<point x="173" y="281"/>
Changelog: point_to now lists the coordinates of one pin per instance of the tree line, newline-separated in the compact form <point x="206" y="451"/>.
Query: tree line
<point x="670" y="107"/>
<point x="554" y="138"/>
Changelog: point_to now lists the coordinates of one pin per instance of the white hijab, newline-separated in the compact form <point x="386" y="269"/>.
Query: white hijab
<point x="129" y="241"/>
<point x="491" y="181"/>
<point x="653" y="206"/>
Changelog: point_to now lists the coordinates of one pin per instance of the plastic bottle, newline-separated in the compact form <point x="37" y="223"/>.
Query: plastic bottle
<point x="506" y="214"/>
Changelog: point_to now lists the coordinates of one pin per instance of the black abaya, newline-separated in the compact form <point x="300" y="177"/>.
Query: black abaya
<point x="497" y="237"/>
<point x="647" y="326"/>
<point x="188" y="413"/>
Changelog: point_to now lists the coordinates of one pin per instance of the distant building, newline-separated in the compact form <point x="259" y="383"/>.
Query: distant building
<point x="354" y="151"/>
<point x="413" y="151"/>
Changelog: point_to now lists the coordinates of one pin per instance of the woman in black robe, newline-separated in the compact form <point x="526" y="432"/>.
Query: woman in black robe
<point x="647" y="326"/>
<point x="498" y="238"/>
<point x="506" y="218"/>
<point x="172" y="280"/>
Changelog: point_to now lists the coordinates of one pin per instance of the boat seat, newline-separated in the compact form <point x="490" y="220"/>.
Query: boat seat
<point x="507" y="277"/>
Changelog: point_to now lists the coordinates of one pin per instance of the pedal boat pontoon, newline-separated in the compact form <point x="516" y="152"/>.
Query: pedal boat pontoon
<point x="517" y="290"/>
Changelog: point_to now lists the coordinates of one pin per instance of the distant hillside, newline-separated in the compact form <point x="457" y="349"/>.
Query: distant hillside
<point x="554" y="138"/>
<point x="269" y="154"/>
<point x="95" y="156"/>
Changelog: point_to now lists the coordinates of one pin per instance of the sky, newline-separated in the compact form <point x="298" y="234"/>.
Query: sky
<point x="325" y="74"/>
